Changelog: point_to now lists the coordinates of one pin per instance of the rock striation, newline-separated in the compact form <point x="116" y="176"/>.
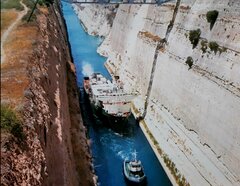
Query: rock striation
<point x="56" y="109"/>
<point x="191" y="111"/>
<point x="103" y="17"/>
<point x="56" y="150"/>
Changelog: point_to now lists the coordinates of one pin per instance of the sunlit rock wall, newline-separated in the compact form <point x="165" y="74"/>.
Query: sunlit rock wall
<point x="205" y="98"/>
<point x="130" y="44"/>
<point x="196" y="111"/>
<point x="96" y="19"/>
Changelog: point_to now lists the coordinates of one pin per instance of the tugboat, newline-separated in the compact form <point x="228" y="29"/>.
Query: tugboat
<point x="133" y="171"/>
<point x="108" y="99"/>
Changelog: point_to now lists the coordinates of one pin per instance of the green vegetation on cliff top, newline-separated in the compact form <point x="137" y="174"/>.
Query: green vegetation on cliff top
<point x="9" y="4"/>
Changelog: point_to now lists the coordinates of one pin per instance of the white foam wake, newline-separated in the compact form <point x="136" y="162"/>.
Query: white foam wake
<point x="87" y="69"/>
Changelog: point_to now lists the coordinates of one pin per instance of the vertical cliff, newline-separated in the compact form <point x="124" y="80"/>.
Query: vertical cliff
<point x="103" y="17"/>
<point x="60" y="126"/>
<point x="55" y="150"/>
<point x="186" y="71"/>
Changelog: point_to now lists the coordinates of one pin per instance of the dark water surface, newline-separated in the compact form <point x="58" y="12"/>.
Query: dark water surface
<point x="109" y="148"/>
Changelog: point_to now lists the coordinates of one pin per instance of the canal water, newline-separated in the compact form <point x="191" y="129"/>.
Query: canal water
<point x="109" y="148"/>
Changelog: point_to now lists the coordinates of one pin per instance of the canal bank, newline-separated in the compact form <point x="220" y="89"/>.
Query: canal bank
<point x="155" y="146"/>
<point x="109" y="149"/>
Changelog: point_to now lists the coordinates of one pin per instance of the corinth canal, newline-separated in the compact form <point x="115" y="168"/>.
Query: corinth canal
<point x="109" y="149"/>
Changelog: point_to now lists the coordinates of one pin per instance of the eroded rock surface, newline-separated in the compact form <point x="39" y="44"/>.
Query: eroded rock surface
<point x="55" y="151"/>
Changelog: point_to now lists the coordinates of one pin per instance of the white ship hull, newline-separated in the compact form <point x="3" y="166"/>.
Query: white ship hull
<point x="108" y="99"/>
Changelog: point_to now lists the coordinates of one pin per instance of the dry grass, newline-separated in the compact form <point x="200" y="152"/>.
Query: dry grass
<point x="18" y="49"/>
<point x="162" y="49"/>
<point x="182" y="7"/>
<point x="7" y="18"/>
<point x="20" y="42"/>
<point x="149" y="35"/>
<point x="43" y="10"/>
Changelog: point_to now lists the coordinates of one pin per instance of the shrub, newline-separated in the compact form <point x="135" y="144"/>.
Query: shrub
<point x="9" y="4"/>
<point x="222" y="49"/>
<point x="110" y="17"/>
<point x="189" y="61"/>
<point x="213" y="46"/>
<point x="204" y="46"/>
<point x="212" y="17"/>
<point x="10" y="122"/>
<point x="194" y="36"/>
<point x="49" y="2"/>
<point x="41" y="2"/>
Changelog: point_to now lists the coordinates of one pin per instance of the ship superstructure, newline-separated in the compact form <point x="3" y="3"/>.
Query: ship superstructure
<point x="107" y="96"/>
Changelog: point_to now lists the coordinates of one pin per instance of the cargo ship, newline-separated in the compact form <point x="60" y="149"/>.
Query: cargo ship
<point x="110" y="103"/>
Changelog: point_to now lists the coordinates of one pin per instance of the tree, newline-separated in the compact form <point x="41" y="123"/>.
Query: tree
<point x="194" y="36"/>
<point x="212" y="17"/>
<point x="189" y="61"/>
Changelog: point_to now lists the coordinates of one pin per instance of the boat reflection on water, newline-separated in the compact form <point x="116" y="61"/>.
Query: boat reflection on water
<point x="128" y="129"/>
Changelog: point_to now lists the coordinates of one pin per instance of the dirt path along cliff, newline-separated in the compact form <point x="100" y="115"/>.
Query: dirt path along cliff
<point x="11" y="28"/>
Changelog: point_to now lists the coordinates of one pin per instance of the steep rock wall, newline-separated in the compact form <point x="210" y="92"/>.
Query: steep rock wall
<point x="55" y="151"/>
<point x="192" y="113"/>
<point x="102" y="15"/>
<point x="55" y="106"/>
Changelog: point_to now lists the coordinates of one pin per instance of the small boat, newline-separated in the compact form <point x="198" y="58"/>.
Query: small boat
<point x="133" y="171"/>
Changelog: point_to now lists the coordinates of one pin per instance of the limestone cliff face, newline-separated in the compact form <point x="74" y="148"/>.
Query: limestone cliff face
<point x="193" y="113"/>
<point x="102" y="15"/>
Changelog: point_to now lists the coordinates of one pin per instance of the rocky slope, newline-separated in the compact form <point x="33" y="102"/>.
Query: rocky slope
<point x="192" y="112"/>
<point x="103" y="17"/>
<point x="55" y="151"/>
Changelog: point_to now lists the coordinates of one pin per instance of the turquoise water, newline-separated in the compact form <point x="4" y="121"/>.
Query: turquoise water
<point x="109" y="149"/>
<point x="83" y="46"/>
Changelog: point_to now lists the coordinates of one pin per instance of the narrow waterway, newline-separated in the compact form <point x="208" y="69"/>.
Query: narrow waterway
<point x="109" y="149"/>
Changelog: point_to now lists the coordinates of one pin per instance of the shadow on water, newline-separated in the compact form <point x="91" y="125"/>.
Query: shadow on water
<point x="145" y="183"/>
<point x="90" y="120"/>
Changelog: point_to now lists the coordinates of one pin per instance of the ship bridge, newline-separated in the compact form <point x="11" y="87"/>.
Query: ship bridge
<point x="110" y="2"/>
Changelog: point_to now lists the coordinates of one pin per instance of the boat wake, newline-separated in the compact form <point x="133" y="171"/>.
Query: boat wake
<point x="125" y="155"/>
<point x="87" y="69"/>
<point x="123" y="150"/>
